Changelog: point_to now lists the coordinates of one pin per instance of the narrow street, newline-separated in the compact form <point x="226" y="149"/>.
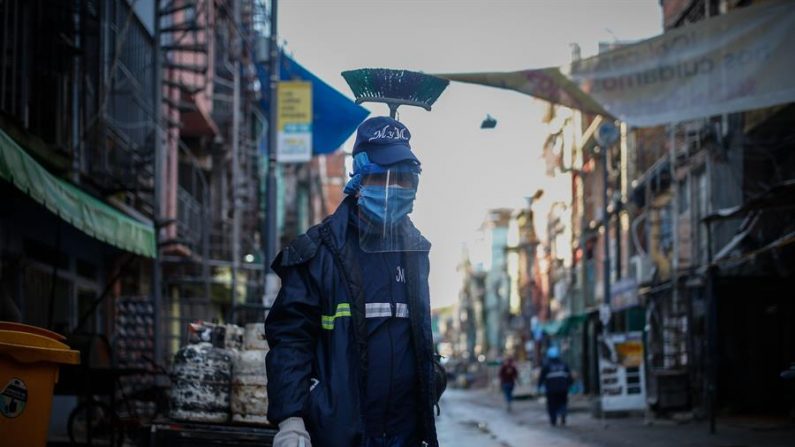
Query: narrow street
<point x="593" y="197"/>
<point x="468" y="421"/>
<point x="478" y="419"/>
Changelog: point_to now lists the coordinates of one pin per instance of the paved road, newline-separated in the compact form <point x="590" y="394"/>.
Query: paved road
<point x="473" y="419"/>
<point x="478" y="419"/>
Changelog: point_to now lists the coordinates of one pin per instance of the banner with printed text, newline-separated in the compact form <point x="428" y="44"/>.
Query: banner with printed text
<point x="737" y="61"/>
<point x="294" y="124"/>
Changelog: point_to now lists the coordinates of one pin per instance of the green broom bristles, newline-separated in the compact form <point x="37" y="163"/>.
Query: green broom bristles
<point x="395" y="87"/>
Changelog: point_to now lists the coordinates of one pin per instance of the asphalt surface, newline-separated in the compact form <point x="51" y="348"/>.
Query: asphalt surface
<point x="478" y="418"/>
<point x="471" y="419"/>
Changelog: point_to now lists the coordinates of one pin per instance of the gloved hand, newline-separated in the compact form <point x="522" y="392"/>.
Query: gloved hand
<point x="292" y="433"/>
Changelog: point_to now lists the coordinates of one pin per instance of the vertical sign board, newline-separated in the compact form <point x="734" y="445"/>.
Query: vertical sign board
<point x="294" y="139"/>
<point x="621" y="372"/>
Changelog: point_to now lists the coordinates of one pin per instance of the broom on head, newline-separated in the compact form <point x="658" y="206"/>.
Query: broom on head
<point x="395" y="87"/>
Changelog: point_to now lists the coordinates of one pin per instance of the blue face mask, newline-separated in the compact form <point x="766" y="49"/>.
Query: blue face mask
<point x="386" y="204"/>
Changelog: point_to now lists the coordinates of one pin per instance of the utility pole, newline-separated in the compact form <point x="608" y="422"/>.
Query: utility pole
<point x="672" y="130"/>
<point x="712" y="335"/>
<point x="77" y="147"/>
<point x="270" y="202"/>
<point x="606" y="136"/>
<point x="157" y="274"/>
<point x="237" y="54"/>
<point x="605" y="312"/>
<point x="605" y="226"/>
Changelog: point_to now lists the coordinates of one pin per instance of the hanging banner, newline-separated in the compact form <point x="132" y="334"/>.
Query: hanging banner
<point x="294" y="137"/>
<point x="734" y="62"/>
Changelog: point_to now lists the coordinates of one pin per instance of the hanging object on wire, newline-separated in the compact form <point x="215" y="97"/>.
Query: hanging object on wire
<point x="489" y="122"/>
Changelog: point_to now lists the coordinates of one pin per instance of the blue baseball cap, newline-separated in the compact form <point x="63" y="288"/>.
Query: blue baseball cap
<point x="385" y="140"/>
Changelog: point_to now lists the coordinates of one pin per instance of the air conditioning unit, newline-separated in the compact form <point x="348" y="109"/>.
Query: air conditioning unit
<point x="641" y="268"/>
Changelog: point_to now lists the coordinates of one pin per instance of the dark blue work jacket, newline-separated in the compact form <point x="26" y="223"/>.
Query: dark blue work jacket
<point x="391" y="398"/>
<point x="555" y="377"/>
<point x="328" y="362"/>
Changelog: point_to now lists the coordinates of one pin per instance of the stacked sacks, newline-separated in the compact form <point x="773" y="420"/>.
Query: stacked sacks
<point x="249" y="392"/>
<point x="201" y="375"/>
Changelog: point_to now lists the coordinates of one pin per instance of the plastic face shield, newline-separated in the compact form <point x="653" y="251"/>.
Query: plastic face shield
<point x="386" y="198"/>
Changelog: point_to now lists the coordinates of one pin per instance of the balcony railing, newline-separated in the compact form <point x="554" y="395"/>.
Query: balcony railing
<point x="120" y="145"/>
<point x="190" y="219"/>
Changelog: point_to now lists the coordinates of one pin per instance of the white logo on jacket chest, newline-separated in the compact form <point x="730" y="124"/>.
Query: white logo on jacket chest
<point x="400" y="274"/>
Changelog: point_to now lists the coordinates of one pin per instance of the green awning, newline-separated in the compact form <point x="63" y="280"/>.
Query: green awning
<point x="564" y="326"/>
<point x="86" y="213"/>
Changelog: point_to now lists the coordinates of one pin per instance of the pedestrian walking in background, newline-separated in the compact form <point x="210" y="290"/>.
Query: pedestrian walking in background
<point x="351" y="361"/>
<point x="555" y="379"/>
<point x="508" y="375"/>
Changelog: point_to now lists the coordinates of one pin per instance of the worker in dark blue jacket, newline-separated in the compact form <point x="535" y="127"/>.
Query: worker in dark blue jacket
<point x="351" y="359"/>
<point x="556" y="380"/>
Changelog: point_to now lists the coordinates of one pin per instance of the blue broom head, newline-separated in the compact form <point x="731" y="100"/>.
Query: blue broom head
<point x="395" y="86"/>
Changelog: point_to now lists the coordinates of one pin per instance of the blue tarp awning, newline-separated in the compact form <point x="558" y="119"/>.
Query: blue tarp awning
<point x="335" y="117"/>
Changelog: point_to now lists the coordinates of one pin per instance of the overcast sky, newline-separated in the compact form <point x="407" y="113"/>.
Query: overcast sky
<point x="466" y="170"/>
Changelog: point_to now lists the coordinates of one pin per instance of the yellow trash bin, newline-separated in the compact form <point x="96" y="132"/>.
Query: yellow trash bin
<point x="29" y="362"/>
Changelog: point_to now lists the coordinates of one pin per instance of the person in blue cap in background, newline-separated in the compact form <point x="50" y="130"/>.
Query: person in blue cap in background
<point x="351" y="359"/>
<point x="556" y="380"/>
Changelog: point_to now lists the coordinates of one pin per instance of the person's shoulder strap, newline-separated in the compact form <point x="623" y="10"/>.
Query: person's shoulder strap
<point x="301" y="249"/>
<point x="348" y="266"/>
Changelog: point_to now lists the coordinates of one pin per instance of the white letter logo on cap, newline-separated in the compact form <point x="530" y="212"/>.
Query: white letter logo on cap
<point x="393" y="134"/>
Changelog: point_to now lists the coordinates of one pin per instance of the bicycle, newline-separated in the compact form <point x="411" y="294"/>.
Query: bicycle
<point x="95" y="422"/>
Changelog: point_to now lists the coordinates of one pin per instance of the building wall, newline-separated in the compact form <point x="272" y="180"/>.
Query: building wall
<point x="60" y="101"/>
